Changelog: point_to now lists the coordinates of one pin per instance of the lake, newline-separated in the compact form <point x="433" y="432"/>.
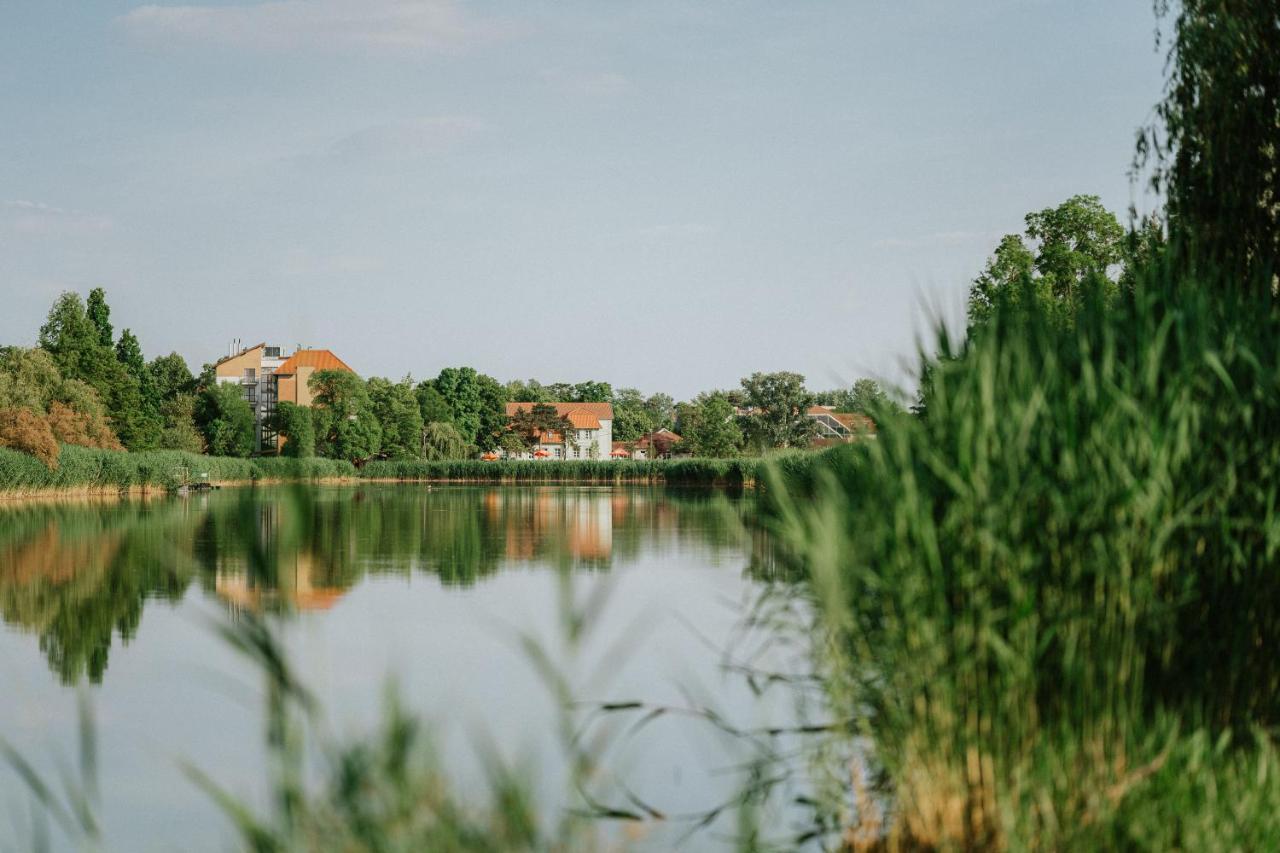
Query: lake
<point x="430" y="588"/>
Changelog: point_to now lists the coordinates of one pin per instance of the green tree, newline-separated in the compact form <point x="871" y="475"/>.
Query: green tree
<point x="865" y="397"/>
<point x="169" y="376"/>
<point x="1214" y="148"/>
<point x="631" y="417"/>
<point x="590" y="392"/>
<point x="442" y="441"/>
<point x="345" y="425"/>
<point x="99" y="314"/>
<point x="296" y="425"/>
<point x="530" y="422"/>
<point x="477" y="404"/>
<point x="662" y="410"/>
<point x="530" y="391"/>
<point x="1063" y="249"/>
<point x="396" y="408"/>
<point x="76" y="345"/>
<point x="179" y="431"/>
<point x="225" y="420"/>
<point x="777" y="403"/>
<point x="434" y="408"/>
<point x="711" y="428"/>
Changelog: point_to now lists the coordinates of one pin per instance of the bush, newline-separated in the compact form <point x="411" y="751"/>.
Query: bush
<point x="23" y="429"/>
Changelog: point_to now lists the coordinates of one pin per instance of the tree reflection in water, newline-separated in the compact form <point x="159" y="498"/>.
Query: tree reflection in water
<point x="78" y="574"/>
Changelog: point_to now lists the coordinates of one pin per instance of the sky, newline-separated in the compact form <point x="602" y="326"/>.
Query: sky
<point x="667" y="195"/>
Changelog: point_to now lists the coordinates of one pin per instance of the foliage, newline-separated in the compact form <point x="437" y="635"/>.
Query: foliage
<point x="345" y="424"/>
<point x="225" y="420"/>
<point x="296" y="427"/>
<point x="1052" y="592"/>
<point x="865" y="397"/>
<point x="476" y="403"/>
<point x="441" y="441"/>
<point x="1063" y="247"/>
<point x="707" y="472"/>
<point x="777" y="403"/>
<point x="397" y="410"/>
<point x="99" y="315"/>
<point x="169" y="377"/>
<point x="711" y="429"/>
<point x="25" y="430"/>
<point x="1213" y="145"/>
<point x="432" y="405"/>
<point x="531" y="423"/>
<point x="180" y="432"/>
<point x="70" y="426"/>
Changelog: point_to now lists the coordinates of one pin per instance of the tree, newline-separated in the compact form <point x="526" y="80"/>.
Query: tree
<point x="225" y="420"/>
<point x="432" y="405"/>
<point x="631" y="418"/>
<point x="711" y="429"/>
<point x="778" y="402"/>
<point x="345" y="425"/>
<point x="180" y="431"/>
<point x="396" y="408"/>
<point x="477" y="404"/>
<point x="530" y="423"/>
<point x="75" y="343"/>
<point x="99" y="314"/>
<point x="442" y="441"/>
<point x="29" y="379"/>
<point x="72" y="426"/>
<point x="662" y="410"/>
<point x="169" y="376"/>
<point x="530" y="391"/>
<point x="866" y="397"/>
<point x="589" y="392"/>
<point x="1215" y="144"/>
<point x="296" y="425"/>
<point x="1064" y="248"/>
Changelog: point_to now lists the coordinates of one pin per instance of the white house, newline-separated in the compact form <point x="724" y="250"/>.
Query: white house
<point x="592" y="436"/>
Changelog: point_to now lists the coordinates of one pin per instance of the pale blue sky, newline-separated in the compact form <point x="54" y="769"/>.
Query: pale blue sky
<point x="668" y="195"/>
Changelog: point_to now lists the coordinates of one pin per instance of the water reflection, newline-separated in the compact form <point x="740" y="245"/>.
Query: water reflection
<point x="79" y="575"/>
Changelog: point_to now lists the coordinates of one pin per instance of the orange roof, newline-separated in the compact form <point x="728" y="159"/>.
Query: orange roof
<point x="601" y="411"/>
<point x="320" y="359"/>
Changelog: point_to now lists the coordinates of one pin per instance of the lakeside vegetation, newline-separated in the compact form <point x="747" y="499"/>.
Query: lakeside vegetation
<point x="1048" y="599"/>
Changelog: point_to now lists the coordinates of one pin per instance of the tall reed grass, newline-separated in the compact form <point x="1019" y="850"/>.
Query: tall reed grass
<point x="732" y="472"/>
<point x="88" y="468"/>
<point x="1054" y="599"/>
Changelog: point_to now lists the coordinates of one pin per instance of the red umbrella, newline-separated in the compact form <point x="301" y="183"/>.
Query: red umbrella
<point x="490" y="456"/>
<point x="620" y="452"/>
<point x="541" y="453"/>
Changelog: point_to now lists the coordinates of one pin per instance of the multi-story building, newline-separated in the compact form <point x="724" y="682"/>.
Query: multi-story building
<point x="266" y="377"/>
<point x="591" y="436"/>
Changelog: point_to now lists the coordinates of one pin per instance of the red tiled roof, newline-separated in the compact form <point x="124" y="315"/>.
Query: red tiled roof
<point x="601" y="411"/>
<point x="320" y="359"/>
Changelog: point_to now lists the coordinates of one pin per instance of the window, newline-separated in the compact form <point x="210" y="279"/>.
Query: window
<point x="272" y="352"/>
<point x="575" y="453"/>
<point x="251" y="393"/>
<point x="557" y="452"/>
<point x="250" y="373"/>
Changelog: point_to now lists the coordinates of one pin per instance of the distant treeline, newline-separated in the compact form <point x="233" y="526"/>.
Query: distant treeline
<point x="87" y="387"/>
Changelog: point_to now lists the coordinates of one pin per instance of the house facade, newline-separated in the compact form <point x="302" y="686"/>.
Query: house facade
<point x="833" y="427"/>
<point x="590" y="432"/>
<point x="267" y="377"/>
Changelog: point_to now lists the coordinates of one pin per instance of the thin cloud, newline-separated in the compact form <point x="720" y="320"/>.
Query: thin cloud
<point x="365" y="26"/>
<point x="41" y="219"/>
<point x="415" y="137"/>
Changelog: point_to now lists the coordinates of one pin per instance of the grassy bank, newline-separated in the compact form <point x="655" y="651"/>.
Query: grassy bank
<point x="86" y="469"/>
<point x="1054" y="599"/>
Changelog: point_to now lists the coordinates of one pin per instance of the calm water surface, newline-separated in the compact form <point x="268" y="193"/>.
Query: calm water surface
<point x="430" y="587"/>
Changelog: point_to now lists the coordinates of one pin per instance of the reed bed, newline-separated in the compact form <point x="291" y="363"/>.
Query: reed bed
<point x="723" y="472"/>
<point x="1053" y="599"/>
